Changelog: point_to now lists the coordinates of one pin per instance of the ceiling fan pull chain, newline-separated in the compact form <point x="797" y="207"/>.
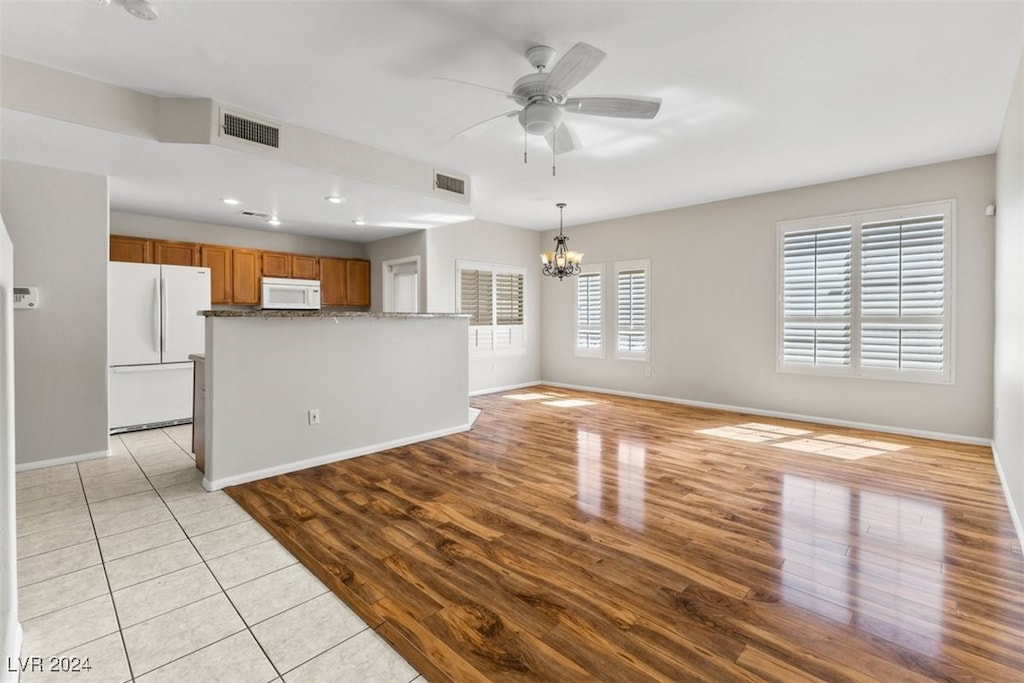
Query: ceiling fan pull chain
<point x="553" y="158"/>
<point x="524" y="145"/>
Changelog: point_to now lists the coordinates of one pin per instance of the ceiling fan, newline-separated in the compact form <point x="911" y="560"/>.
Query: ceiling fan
<point x="544" y="97"/>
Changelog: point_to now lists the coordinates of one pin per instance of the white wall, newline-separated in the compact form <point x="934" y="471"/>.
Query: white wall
<point x="377" y="381"/>
<point x="156" y="227"/>
<point x="413" y="244"/>
<point x="10" y="630"/>
<point x="489" y="243"/>
<point x="57" y="221"/>
<point x="1008" y="428"/>
<point x="713" y="305"/>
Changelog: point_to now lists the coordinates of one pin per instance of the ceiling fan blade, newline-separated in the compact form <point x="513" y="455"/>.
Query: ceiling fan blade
<point x="563" y="139"/>
<point x="472" y="85"/>
<point x="620" y="107"/>
<point x="574" y="66"/>
<point x="480" y="127"/>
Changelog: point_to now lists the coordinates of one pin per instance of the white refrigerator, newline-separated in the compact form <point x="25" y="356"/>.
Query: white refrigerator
<point x="153" y="328"/>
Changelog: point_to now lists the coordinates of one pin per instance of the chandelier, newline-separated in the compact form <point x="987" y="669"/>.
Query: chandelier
<point x="561" y="262"/>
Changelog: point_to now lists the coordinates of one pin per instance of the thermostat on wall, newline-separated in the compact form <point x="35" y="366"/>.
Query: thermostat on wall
<point x="26" y="297"/>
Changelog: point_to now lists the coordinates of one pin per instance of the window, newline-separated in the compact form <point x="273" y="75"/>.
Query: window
<point x="493" y="296"/>
<point x="632" y="302"/>
<point x="868" y="294"/>
<point x="590" y="312"/>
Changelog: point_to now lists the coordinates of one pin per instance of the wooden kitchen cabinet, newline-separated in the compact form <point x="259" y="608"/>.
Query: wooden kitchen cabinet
<point x="276" y="264"/>
<point x="218" y="260"/>
<point x="131" y="249"/>
<point x="175" y="253"/>
<point x="332" y="282"/>
<point x="344" y="282"/>
<point x="245" y="276"/>
<point x="357" y="283"/>
<point x="304" y="267"/>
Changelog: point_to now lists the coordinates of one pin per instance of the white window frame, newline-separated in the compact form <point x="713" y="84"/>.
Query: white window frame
<point x="619" y="267"/>
<point x="855" y="369"/>
<point x="591" y="270"/>
<point x="516" y="347"/>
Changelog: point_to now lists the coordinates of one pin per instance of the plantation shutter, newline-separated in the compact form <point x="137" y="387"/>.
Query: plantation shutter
<point x="817" y="296"/>
<point x="632" y="310"/>
<point x="475" y="296"/>
<point x="903" y="293"/>
<point x="509" y="298"/>
<point x="588" y="311"/>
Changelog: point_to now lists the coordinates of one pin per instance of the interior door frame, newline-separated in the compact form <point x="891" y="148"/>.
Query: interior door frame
<point x="387" y="278"/>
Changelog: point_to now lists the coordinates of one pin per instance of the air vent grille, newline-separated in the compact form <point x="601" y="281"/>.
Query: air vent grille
<point x="449" y="183"/>
<point x="255" y="214"/>
<point x="253" y="131"/>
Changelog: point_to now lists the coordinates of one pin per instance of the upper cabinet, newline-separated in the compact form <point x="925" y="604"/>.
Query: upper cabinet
<point x="218" y="260"/>
<point x="304" y="267"/>
<point x="131" y="249"/>
<point x="175" y="253"/>
<point x="235" y="272"/>
<point x="344" y="282"/>
<point x="357" y="283"/>
<point x="276" y="264"/>
<point x="245" y="276"/>
<point x="332" y="282"/>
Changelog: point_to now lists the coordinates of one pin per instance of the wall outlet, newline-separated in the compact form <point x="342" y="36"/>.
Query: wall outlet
<point x="647" y="371"/>
<point x="314" y="416"/>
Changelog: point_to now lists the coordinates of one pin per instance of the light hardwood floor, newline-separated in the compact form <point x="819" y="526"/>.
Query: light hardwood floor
<point x="573" y="536"/>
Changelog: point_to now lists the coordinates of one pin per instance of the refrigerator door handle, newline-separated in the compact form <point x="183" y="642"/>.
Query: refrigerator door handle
<point x="163" y="311"/>
<point x="156" y="314"/>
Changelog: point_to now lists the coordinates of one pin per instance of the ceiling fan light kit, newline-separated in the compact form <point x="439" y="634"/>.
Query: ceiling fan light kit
<point x="544" y="97"/>
<point x="142" y="9"/>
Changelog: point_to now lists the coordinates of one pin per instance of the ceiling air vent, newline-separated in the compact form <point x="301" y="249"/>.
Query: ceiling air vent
<point x="250" y="130"/>
<point x="255" y="214"/>
<point x="449" y="183"/>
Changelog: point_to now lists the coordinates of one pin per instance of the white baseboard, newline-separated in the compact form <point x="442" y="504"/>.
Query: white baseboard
<point x="924" y="434"/>
<point x="510" y="387"/>
<point x="218" y="484"/>
<point x="53" y="462"/>
<point x="474" y="413"/>
<point x="1017" y="523"/>
<point x="12" y="650"/>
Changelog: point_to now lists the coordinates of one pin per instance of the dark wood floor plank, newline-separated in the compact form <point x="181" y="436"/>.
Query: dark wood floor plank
<point x="618" y="542"/>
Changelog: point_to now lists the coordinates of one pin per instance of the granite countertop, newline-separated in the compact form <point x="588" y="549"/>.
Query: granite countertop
<point x="323" y="313"/>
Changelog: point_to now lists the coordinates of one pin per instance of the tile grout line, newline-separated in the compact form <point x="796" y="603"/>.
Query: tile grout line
<point x="216" y="580"/>
<point x="110" y="590"/>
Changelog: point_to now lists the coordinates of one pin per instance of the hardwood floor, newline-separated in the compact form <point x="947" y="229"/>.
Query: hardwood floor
<point x="627" y="540"/>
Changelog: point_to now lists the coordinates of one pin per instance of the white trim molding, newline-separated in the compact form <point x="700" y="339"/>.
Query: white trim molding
<point x="53" y="462"/>
<point x="1018" y="524"/>
<point x="246" y="477"/>
<point x="887" y="429"/>
<point x="507" y="387"/>
<point x="11" y="649"/>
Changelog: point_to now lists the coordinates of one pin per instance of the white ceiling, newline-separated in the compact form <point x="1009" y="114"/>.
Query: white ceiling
<point x="756" y="97"/>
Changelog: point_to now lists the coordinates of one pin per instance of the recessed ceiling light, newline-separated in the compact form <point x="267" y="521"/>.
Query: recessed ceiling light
<point x="334" y="199"/>
<point x="231" y="201"/>
<point x="273" y="220"/>
<point x="359" y="221"/>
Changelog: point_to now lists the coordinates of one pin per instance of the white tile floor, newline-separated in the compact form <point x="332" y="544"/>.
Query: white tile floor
<point x="128" y="562"/>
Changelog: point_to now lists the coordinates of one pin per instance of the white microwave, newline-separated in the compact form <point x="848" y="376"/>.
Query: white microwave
<point x="286" y="293"/>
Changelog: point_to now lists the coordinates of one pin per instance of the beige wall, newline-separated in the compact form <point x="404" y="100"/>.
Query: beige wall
<point x="58" y="223"/>
<point x="139" y="225"/>
<point x="489" y="243"/>
<point x="713" y="305"/>
<point x="1008" y="428"/>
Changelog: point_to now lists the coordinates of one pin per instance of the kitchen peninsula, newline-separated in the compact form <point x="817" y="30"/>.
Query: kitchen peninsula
<point x="287" y="390"/>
